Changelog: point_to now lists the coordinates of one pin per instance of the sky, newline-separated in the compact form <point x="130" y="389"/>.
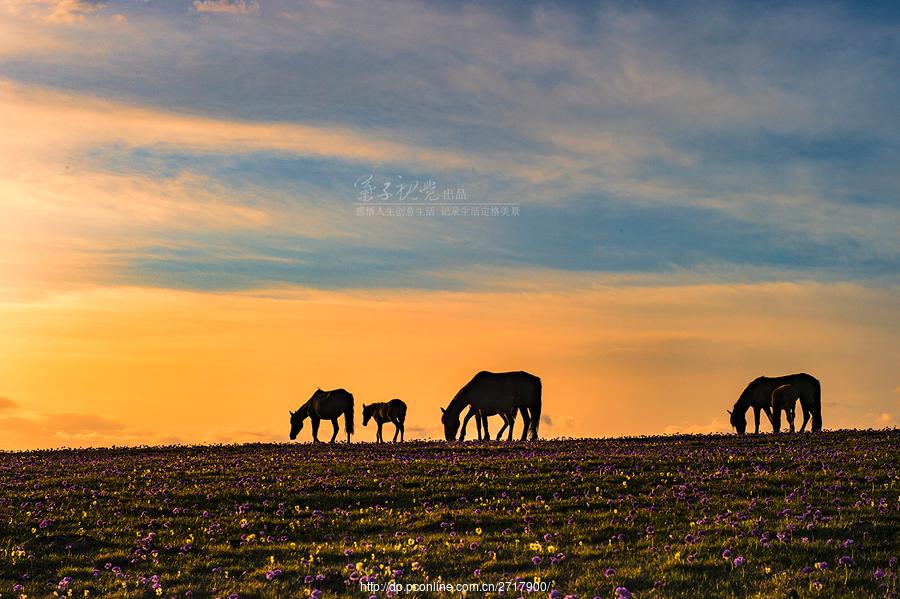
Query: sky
<point x="686" y="196"/>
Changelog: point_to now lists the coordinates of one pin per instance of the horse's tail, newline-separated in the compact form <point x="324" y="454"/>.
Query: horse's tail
<point x="536" y="410"/>
<point x="348" y="415"/>
<point x="817" y="405"/>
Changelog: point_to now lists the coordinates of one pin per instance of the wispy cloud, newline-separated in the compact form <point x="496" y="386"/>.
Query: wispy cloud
<point x="67" y="11"/>
<point x="52" y="11"/>
<point x="716" y="425"/>
<point x="39" y="119"/>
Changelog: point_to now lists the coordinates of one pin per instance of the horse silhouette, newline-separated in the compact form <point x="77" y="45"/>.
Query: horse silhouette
<point x="389" y="411"/>
<point x="324" y="405"/>
<point x="784" y="399"/>
<point x="758" y="395"/>
<point x="498" y="393"/>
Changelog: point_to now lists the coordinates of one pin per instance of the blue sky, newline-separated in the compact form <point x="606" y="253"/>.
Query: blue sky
<point x="644" y="138"/>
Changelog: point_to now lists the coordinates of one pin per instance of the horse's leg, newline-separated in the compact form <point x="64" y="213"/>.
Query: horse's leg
<point x="512" y="423"/>
<point x="756" y="418"/>
<point x="806" y="415"/>
<point x="526" y="422"/>
<point x="462" y="432"/>
<point x="774" y="418"/>
<point x="314" y="422"/>
<point x="478" y="421"/>
<point x="347" y="414"/>
<point x="505" y="425"/>
<point x="487" y="433"/>
<point x="791" y="415"/>
<point x="335" y="425"/>
<point x="378" y="437"/>
<point x="396" y="428"/>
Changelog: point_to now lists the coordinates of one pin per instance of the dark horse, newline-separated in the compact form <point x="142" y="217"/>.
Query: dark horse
<point x="784" y="399"/>
<point x="391" y="411"/>
<point x="324" y="405"/>
<point x="758" y="395"/>
<point x="481" y="420"/>
<point x="496" y="393"/>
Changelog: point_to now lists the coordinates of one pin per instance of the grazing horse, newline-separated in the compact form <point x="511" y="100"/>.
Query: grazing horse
<point x="758" y="395"/>
<point x="481" y="421"/>
<point x="784" y="398"/>
<point x="393" y="411"/>
<point x="324" y="405"/>
<point x="496" y="393"/>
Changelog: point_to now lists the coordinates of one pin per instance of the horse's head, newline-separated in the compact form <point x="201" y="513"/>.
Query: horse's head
<point x="297" y="419"/>
<point x="368" y="412"/>
<point x="738" y="421"/>
<point x="451" y="425"/>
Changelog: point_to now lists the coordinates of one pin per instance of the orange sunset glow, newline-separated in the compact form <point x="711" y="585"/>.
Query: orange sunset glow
<point x="186" y="252"/>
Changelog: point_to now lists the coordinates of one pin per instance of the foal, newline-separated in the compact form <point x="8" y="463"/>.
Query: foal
<point x="784" y="398"/>
<point x="393" y="411"/>
<point x="481" y="421"/>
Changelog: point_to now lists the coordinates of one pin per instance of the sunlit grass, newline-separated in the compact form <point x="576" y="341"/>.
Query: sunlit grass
<point x="788" y="515"/>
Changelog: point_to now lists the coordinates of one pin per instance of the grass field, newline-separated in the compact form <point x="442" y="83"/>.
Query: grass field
<point x="769" y="516"/>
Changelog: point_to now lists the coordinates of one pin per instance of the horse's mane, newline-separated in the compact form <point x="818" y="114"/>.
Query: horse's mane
<point x="303" y="410"/>
<point x="743" y="399"/>
<point x="461" y="393"/>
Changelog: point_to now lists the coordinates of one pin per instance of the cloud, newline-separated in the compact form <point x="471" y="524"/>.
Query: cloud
<point x="75" y="423"/>
<point x="68" y="429"/>
<point x="547" y="106"/>
<point x="61" y="195"/>
<point x="41" y="119"/>
<point x="716" y="425"/>
<point x="243" y="435"/>
<point x="51" y="11"/>
<point x="68" y="11"/>
<point x="230" y="7"/>
<point x="7" y="404"/>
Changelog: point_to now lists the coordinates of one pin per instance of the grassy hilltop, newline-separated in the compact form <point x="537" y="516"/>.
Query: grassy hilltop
<point x="769" y="516"/>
